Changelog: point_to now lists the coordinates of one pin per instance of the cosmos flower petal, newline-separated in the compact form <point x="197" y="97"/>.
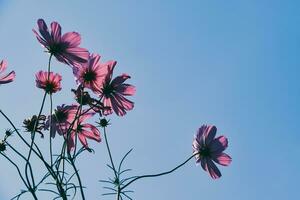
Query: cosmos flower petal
<point x="222" y="159"/>
<point x="210" y="134"/>
<point x="124" y="102"/>
<point x="117" y="107"/>
<point x="107" y="103"/>
<point x="213" y="169"/>
<point x="8" y="78"/>
<point x="3" y="66"/>
<point x="94" y="133"/>
<point x="55" y="32"/>
<point x="119" y="80"/>
<point x="126" y="89"/>
<point x="83" y="140"/>
<point x="43" y="29"/>
<point x="219" y="144"/>
<point x="40" y="39"/>
<point x="72" y="38"/>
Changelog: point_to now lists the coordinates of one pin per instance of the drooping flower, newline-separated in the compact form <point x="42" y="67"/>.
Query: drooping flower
<point x="61" y="119"/>
<point x="64" y="47"/>
<point x="113" y="91"/>
<point x="208" y="149"/>
<point x="91" y="74"/>
<point x="8" y="77"/>
<point x="35" y="124"/>
<point x="49" y="82"/>
<point x="84" y="131"/>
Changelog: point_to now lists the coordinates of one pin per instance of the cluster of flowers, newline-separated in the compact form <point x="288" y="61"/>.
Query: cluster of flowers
<point x="108" y="96"/>
<point x="89" y="73"/>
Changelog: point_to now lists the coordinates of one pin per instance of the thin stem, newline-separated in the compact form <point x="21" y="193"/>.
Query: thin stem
<point x="109" y="153"/>
<point x="118" y="193"/>
<point x="32" y="141"/>
<point x="40" y="156"/>
<point x="50" y="136"/>
<point x="160" y="174"/>
<point x="77" y="175"/>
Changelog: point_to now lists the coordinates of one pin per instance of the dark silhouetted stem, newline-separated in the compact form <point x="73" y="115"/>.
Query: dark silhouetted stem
<point x="160" y="174"/>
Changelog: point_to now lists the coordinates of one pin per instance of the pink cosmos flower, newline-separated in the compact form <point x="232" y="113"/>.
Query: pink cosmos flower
<point x="113" y="91"/>
<point x="90" y="74"/>
<point x="83" y="131"/>
<point x="64" y="47"/>
<point x="62" y="118"/>
<point x="49" y="82"/>
<point x="209" y="149"/>
<point x="8" y="77"/>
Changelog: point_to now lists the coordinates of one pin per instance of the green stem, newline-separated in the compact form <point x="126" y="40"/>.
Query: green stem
<point x="77" y="175"/>
<point x="109" y="153"/>
<point x="50" y="137"/>
<point x="159" y="174"/>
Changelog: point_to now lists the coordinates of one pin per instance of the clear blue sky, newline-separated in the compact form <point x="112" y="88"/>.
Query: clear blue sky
<point x="234" y="64"/>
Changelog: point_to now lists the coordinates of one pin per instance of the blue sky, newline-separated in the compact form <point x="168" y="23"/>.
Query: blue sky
<point x="234" y="64"/>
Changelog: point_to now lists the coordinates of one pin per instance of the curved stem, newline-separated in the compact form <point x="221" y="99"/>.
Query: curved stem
<point x="159" y="174"/>
<point x="40" y="156"/>
<point x="32" y="142"/>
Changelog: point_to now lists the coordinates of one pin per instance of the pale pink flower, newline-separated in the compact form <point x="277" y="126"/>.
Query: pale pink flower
<point x="49" y="82"/>
<point x="64" y="47"/>
<point x="90" y="74"/>
<point x="208" y="149"/>
<point x="84" y="131"/>
<point x="113" y="91"/>
<point x="8" y="77"/>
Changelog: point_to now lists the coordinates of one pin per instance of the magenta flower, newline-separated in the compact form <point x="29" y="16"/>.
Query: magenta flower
<point x="208" y="149"/>
<point x="8" y="77"/>
<point x="91" y="74"/>
<point x="83" y="131"/>
<point x="64" y="47"/>
<point x="49" y="82"/>
<point x="62" y="118"/>
<point x="113" y="91"/>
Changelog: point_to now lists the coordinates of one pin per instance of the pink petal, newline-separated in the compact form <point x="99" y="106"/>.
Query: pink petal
<point x="83" y="140"/>
<point x="119" y="80"/>
<point x="107" y="103"/>
<point x="72" y="38"/>
<point x="127" y="104"/>
<point x="3" y="66"/>
<point x="210" y="134"/>
<point x="117" y="107"/>
<point x="126" y="89"/>
<point x="55" y="32"/>
<point x="218" y="145"/>
<point x="223" y="159"/>
<point x="44" y="30"/>
<point x="86" y="116"/>
<point x="213" y="169"/>
<point x="8" y="78"/>
<point x="40" y="39"/>
<point x="110" y="65"/>
<point x="93" y="134"/>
